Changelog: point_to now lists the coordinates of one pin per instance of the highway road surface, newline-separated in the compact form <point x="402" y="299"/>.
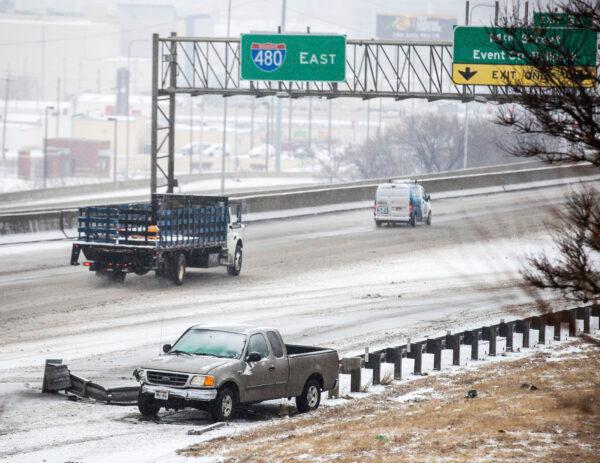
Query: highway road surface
<point x="332" y="280"/>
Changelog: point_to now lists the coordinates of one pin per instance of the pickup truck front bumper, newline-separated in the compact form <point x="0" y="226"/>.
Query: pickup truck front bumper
<point x="187" y="394"/>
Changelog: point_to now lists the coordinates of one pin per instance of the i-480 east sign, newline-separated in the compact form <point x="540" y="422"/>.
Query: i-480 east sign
<point x="293" y="57"/>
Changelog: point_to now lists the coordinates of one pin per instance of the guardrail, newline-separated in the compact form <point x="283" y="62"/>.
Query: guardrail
<point x="64" y="219"/>
<point x="382" y="366"/>
<point x="455" y="349"/>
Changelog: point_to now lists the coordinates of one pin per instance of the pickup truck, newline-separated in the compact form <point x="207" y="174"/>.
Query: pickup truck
<point x="216" y="368"/>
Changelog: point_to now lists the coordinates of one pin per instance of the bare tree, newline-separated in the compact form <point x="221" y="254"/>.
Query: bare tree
<point x="558" y="121"/>
<point x="566" y="106"/>
<point x="436" y="140"/>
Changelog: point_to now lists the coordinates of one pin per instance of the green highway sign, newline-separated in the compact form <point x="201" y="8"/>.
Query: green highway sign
<point x="293" y="57"/>
<point x="560" y="20"/>
<point x="486" y="56"/>
<point x="483" y="45"/>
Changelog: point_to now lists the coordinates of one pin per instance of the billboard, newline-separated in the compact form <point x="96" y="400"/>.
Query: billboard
<point x="424" y="27"/>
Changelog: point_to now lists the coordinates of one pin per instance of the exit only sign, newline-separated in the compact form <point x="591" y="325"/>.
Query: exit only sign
<point x="293" y="57"/>
<point x="485" y="55"/>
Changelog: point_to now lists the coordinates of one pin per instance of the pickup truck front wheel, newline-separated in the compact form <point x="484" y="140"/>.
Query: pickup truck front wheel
<point x="147" y="406"/>
<point x="310" y="398"/>
<point x="223" y="407"/>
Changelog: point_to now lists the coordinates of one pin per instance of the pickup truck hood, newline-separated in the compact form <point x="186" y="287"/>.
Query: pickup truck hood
<point x="196" y="364"/>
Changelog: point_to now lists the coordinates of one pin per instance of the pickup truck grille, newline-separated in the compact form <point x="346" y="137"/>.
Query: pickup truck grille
<point x="166" y="378"/>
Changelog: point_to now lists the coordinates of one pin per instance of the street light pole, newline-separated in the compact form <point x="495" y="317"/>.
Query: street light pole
<point x="45" y="144"/>
<point x="278" y="137"/>
<point x="114" y="119"/>
<point x="223" y="149"/>
<point x="469" y="16"/>
<point x="131" y="42"/>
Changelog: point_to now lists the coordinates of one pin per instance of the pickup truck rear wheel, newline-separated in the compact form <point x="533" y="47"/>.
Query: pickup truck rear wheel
<point x="147" y="406"/>
<point x="310" y="398"/>
<point x="223" y="407"/>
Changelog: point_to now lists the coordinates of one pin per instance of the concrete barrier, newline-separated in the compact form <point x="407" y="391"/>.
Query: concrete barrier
<point x="408" y="367"/>
<point x="322" y="195"/>
<point x="500" y="345"/>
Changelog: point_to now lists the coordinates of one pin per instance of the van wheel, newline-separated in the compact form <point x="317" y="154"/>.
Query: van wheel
<point x="147" y="406"/>
<point x="310" y="398"/>
<point x="236" y="268"/>
<point x="178" y="269"/>
<point x="428" y="222"/>
<point x="223" y="407"/>
<point x="378" y="223"/>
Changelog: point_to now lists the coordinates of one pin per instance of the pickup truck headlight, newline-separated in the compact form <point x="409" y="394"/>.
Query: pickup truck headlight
<point x="203" y="381"/>
<point x="140" y="375"/>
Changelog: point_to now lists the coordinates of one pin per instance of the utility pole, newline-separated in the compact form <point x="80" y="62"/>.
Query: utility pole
<point x="45" y="144"/>
<point x="7" y="81"/>
<point x="279" y="102"/>
<point x="58" y="108"/>
<point x="223" y="149"/>
<point x="191" y="134"/>
<point x="114" y="149"/>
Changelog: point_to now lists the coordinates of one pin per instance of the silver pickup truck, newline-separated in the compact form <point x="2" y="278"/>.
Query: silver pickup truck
<point x="215" y="368"/>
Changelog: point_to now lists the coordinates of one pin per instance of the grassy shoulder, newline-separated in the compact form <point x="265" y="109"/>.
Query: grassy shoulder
<point x="431" y="419"/>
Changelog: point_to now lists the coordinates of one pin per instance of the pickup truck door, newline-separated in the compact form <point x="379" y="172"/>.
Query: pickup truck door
<point x="280" y="373"/>
<point x="257" y="378"/>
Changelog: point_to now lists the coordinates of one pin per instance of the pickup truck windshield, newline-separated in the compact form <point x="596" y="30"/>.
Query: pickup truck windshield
<point x="212" y="343"/>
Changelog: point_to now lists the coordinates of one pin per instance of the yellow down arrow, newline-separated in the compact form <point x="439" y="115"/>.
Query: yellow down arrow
<point x="510" y="75"/>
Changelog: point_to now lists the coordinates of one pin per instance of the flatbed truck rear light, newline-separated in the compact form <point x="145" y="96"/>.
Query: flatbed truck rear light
<point x="87" y="263"/>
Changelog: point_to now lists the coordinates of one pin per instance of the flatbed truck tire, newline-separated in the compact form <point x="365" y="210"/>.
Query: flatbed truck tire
<point x="378" y="223"/>
<point x="118" y="276"/>
<point x="310" y="398"/>
<point x="178" y="269"/>
<point x="236" y="268"/>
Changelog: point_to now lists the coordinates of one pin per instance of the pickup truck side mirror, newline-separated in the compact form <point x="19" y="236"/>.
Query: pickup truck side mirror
<point x="253" y="357"/>
<point x="167" y="348"/>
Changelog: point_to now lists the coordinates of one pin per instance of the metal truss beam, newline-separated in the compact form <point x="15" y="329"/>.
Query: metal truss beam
<point x="374" y="69"/>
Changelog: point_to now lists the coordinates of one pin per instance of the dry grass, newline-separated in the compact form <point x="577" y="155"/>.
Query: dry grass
<point x="560" y="421"/>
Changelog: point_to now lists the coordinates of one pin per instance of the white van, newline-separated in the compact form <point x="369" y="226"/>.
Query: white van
<point x="401" y="203"/>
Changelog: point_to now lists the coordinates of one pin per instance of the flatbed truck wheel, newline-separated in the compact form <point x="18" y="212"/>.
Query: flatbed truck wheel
<point x="118" y="276"/>
<point x="378" y="223"/>
<point x="236" y="268"/>
<point x="178" y="269"/>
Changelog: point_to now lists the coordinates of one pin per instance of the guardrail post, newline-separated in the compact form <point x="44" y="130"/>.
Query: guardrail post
<point x="507" y="330"/>
<point x="490" y="333"/>
<point x="453" y="341"/>
<point x="584" y="313"/>
<point x="351" y="366"/>
<point x="416" y="352"/>
<point x="571" y="315"/>
<point x="394" y="355"/>
<point x="435" y="346"/>
<point x="539" y="323"/>
<point x="374" y="363"/>
<point x="525" y="326"/>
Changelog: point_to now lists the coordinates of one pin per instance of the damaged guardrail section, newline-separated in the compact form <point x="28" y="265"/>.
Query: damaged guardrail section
<point x="382" y="366"/>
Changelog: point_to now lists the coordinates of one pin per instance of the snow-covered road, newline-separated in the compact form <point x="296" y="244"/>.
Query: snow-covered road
<point x="332" y="280"/>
